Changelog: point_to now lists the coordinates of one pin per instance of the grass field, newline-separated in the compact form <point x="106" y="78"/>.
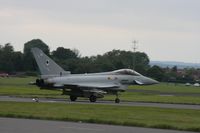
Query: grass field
<point x="178" y="119"/>
<point x="20" y="87"/>
<point x="168" y="87"/>
<point x="140" y="97"/>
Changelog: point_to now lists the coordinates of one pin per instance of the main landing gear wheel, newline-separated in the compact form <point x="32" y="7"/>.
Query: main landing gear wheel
<point x="117" y="100"/>
<point x="93" y="98"/>
<point x="73" y="98"/>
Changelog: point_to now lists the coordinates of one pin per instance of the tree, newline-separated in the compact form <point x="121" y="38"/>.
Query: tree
<point x="29" y="62"/>
<point x="8" y="48"/>
<point x="156" y="72"/>
<point x="67" y="58"/>
<point x="124" y="59"/>
<point x="62" y="53"/>
<point x="174" y="69"/>
<point x="6" y="63"/>
<point x="18" y="61"/>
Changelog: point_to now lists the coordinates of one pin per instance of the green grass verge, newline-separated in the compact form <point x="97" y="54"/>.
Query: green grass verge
<point x="20" y="87"/>
<point x="142" y="97"/>
<point x="177" y="119"/>
<point x="168" y="87"/>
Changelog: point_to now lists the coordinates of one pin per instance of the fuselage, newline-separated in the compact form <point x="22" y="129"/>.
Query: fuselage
<point x="102" y="79"/>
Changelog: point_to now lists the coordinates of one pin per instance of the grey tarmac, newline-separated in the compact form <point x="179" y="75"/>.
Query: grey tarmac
<point x="12" y="125"/>
<point x="144" y="104"/>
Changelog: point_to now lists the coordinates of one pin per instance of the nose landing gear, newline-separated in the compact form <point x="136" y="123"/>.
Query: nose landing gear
<point x="117" y="100"/>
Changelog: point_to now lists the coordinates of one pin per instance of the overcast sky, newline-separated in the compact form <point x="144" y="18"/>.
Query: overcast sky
<point x="167" y="30"/>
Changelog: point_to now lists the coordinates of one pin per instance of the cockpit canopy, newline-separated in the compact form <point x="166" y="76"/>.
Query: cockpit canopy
<point x="127" y="72"/>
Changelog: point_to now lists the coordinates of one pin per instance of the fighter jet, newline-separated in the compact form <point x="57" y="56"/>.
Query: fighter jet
<point x="89" y="85"/>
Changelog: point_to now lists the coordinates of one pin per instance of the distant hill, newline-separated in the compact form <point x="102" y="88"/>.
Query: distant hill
<point x="171" y="64"/>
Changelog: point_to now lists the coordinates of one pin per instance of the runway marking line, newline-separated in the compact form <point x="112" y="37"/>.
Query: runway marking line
<point x="84" y="128"/>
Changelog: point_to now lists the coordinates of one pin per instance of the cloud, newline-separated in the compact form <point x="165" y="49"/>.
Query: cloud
<point x="165" y="29"/>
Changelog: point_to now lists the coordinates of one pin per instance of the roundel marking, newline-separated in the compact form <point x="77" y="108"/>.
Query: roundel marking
<point x="47" y="62"/>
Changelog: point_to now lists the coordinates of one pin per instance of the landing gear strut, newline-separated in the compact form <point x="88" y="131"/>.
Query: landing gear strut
<point x="93" y="98"/>
<point x="73" y="98"/>
<point x="117" y="100"/>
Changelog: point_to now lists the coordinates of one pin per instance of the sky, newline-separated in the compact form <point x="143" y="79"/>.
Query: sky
<point x="167" y="30"/>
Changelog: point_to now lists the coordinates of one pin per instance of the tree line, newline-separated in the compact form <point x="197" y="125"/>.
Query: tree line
<point x="70" y="59"/>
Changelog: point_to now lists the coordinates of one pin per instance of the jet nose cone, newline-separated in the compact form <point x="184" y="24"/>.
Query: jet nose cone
<point x="154" y="81"/>
<point x="142" y="80"/>
<point x="151" y="81"/>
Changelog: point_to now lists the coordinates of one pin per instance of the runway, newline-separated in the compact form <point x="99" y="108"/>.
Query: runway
<point x="12" y="125"/>
<point x="144" y="104"/>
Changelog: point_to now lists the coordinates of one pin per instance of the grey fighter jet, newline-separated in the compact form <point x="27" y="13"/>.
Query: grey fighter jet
<point x="91" y="85"/>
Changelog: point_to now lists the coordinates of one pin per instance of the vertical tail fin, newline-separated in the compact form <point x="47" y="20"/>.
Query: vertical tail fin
<point x="46" y="65"/>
